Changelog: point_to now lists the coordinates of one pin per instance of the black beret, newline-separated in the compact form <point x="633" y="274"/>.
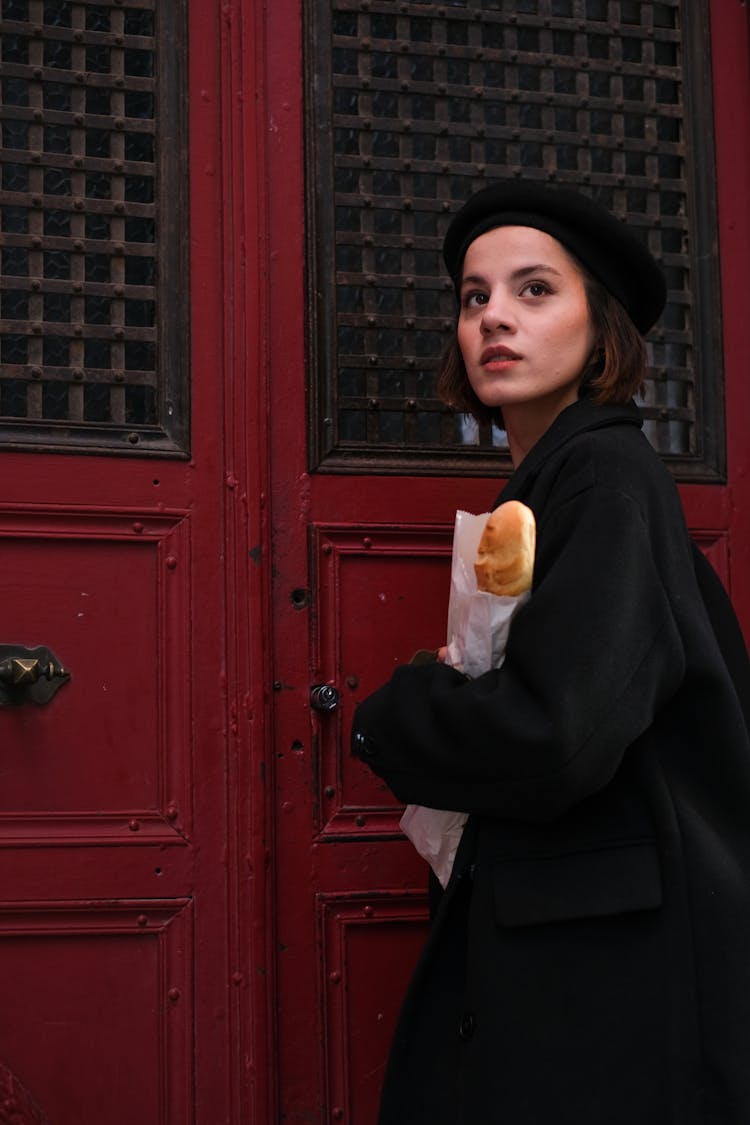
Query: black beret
<point x="604" y="245"/>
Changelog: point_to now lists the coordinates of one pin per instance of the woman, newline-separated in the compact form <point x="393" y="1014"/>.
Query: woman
<point x="589" y="960"/>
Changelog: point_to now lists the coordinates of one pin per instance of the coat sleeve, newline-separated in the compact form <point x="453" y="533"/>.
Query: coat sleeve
<point x="592" y="657"/>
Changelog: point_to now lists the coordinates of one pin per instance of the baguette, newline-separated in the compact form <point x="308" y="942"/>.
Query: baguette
<point x="505" y="561"/>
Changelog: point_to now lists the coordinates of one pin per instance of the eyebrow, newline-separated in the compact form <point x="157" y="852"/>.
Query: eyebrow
<point x="517" y="275"/>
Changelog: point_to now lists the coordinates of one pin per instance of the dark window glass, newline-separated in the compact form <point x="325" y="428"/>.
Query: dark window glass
<point x="139" y="63"/>
<point x="57" y="182"/>
<point x="15" y="261"/>
<point x="139" y="22"/>
<point x="14" y="49"/>
<point x="14" y="220"/>
<point x="57" y="307"/>
<point x="55" y="351"/>
<point x="97" y="18"/>
<point x="57" y="14"/>
<point x="15" y="177"/>
<point x="139" y="271"/>
<point x="14" y="304"/>
<point x="140" y="406"/>
<point x="14" y="350"/>
<point x="98" y="59"/>
<point x="97" y="310"/>
<point x="57" y="95"/>
<point x="58" y="54"/>
<point x="55" y="401"/>
<point x="98" y="353"/>
<point x="98" y="101"/>
<point x="15" y="91"/>
<point x="57" y="224"/>
<point x="12" y="397"/>
<point x="97" y="267"/>
<point x="96" y="403"/>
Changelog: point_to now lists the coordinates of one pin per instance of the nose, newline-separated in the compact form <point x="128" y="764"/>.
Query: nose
<point x="498" y="314"/>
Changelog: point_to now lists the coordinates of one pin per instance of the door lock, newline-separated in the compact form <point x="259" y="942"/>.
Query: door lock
<point x="324" y="697"/>
<point x="29" y="675"/>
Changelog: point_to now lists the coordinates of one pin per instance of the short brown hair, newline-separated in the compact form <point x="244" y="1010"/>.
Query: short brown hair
<point x="615" y="372"/>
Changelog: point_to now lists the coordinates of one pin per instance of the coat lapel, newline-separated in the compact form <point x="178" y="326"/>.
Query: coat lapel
<point x="581" y="416"/>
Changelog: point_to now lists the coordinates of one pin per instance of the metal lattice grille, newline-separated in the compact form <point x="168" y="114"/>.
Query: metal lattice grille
<point x="416" y="105"/>
<point x="93" y="354"/>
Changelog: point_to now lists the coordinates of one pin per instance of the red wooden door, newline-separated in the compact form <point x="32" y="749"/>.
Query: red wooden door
<point x="361" y="549"/>
<point x="121" y="972"/>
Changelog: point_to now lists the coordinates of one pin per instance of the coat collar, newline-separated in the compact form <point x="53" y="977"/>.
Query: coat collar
<point x="578" y="418"/>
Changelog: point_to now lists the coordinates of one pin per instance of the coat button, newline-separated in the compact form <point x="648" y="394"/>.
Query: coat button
<point x="362" y="746"/>
<point x="467" y="1026"/>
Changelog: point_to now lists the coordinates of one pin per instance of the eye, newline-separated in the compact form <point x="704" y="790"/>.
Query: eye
<point x="536" y="289"/>
<point x="473" y="298"/>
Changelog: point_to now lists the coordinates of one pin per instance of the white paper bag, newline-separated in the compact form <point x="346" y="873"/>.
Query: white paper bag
<point x="478" y="628"/>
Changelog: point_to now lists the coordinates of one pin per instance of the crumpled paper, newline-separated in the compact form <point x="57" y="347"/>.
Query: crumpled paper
<point x="478" y="628"/>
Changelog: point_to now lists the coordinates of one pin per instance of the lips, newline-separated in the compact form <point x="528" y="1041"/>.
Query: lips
<point x="497" y="352"/>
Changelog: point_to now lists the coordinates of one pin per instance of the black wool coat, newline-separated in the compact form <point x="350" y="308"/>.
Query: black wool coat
<point x="589" y="962"/>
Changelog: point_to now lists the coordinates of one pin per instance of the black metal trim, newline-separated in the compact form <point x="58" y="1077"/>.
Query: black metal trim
<point x="327" y="452"/>
<point x="170" y="436"/>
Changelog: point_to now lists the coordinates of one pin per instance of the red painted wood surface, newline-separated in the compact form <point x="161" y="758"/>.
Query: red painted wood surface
<point x="207" y="913"/>
<point x="133" y="974"/>
<point x="373" y="552"/>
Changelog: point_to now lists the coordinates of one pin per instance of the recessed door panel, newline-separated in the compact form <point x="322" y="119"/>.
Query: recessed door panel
<point x="373" y="581"/>
<point x="370" y="947"/>
<point x="97" y="1008"/>
<point x="108" y="596"/>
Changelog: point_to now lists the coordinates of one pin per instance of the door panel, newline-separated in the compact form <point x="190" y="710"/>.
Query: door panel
<point x="62" y="964"/>
<point x="122" y="972"/>
<point x="362" y="520"/>
<point x="103" y="758"/>
<point x="374" y="580"/>
<point x="366" y="939"/>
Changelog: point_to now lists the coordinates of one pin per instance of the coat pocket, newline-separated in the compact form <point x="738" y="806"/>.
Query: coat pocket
<point x="616" y="879"/>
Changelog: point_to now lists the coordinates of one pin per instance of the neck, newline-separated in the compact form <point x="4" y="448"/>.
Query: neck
<point x="525" y="423"/>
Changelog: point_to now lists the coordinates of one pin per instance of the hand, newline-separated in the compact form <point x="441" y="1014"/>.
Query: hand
<point x="428" y="656"/>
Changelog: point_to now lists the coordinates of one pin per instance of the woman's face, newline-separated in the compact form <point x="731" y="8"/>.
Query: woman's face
<point x="524" y="328"/>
